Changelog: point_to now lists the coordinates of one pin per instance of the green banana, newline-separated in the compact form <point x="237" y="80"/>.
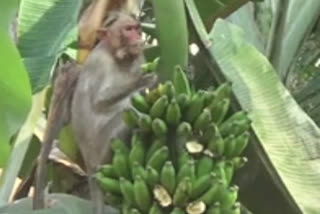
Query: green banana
<point x="159" y="107"/>
<point x="130" y="117"/>
<point x="108" y="184"/>
<point x="219" y="110"/>
<point x="238" y="127"/>
<point x="153" y="177"/>
<point x="120" y="164"/>
<point x="142" y="194"/>
<point x="238" y="118"/>
<point x="229" y="196"/>
<point x="215" y="209"/>
<point x="169" y="89"/>
<point x="107" y="170"/>
<point x="235" y="209"/>
<point x="158" y="159"/>
<point x="117" y="144"/>
<point x="162" y="196"/>
<point x="202" y="184"/>
<point x="203" y="120"/>
<point x="229" y="170"/>
<point x="126" y="188"/>
<point x="196" y="207"/>
<point x="145" y="123"/>
<point x="218" y="169"/>
<point x="155" y="209"/>
<point x="159" y="127"/>
<point x="177" y="210"/>
<point x="239" y="162"/>
<point x="181" y="81"/>
<point x="156" y="144"/>
<point x="187" y="170"/>
<point x="140" y="103"/>
<point x="195" y="107"/>
<point x="216" y="144"/>
<point x="137" y="153"/>
<point x="183" y="101"/>
<point x="184" y="130"/>
<point x="138" y="170"/>
<point x="230" y="144"/>
<point x="183" y="158"/>
<point x="150" y="66"/>
<point x="223" y="91"/>
<point x="168" y="177"/>
<point x="209" y="97"/>
<point x="152" y="95"/>
<point x="209" y="133"/>
<point x="173" y="114"/>
<point x="182" y="192"/>
<point x="241" y="143"/>
<point x="125" y="209"/>
<point x="204" y="165"/>
<point x="213" y="193"/>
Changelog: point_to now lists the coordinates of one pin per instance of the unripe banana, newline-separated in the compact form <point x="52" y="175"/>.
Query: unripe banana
<point x="216" y="144"/>
<point x="145" y="123"/>
<point x="153" y="177"/>
<point x="156" y="144"/>
<point x="181" y="81"/>
<point x="120" y="164"/>
<point x="229" y="196"/>
<point x="183" y="158"/>
<point x="173" y="114"/>
<point x="158" y="159"/>
<point x="187" y="170"/>
<point x="159" y="127"/>
<point x="213" y="193"/>
<point x="204" y="165"/>
<point x="241" y="143"/>
<point x="140" y="103"/>
<point x="183" y="101"/>
<point x="108" y="184"/>
<point x="155" y="209"/>
<point x="202" y="184"/>
<point x="203" y="120"/>
<point x="125" y="209"/>
<point x="137" y="153"/>
<point x="138" y="170"/>
<point x="230" y="144"/>
<point x="168" y="177"/>
<point x="127" y="191"/>
<point x="209" y="97"/>
<point x="142" y="194"/>
<point x="169" y="89"/>
<point x="107" y="170"/>
<point x="130" y="117"/>
<point x="117" y="144"/>
<point x="223" y="91"/>
<point x="152" y="95"/>
<point x="195" y="107"/>
<point x="239" y="119"/>
<point x="229" y="171"/>
<point x="159" y="107"/>
<point x="238" y="127"/>
<point x="219" y="171"/>
<point x="235" y="209"/>
<point x="182" y="192"/>
<point x="239" y="162"/>
<point x="177" y="210"/>
<point x="184" y="130"/>
<point x="219" y="110"/>
<point x="215" y="209"/>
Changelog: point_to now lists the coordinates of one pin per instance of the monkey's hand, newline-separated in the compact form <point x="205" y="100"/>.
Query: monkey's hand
<point x="148" y="80"/>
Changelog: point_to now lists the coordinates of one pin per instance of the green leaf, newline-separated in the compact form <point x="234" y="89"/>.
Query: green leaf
<point x="15" y="94"/>
<point x="19" y="149"/>
<point x="172" y="35"/>
<point x="287" y="134"/>
<point x="45" y="27"/>
<point x="8" y="10"/>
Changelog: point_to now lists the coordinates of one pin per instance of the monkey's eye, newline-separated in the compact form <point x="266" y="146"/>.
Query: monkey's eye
<point x="129" y="28"/>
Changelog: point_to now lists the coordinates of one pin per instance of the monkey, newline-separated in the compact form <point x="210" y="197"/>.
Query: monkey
<point x="58" y="115"/>
<point x="108" y="78"/>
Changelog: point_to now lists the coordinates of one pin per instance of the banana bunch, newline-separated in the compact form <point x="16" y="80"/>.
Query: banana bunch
<point x="185" y="148"/>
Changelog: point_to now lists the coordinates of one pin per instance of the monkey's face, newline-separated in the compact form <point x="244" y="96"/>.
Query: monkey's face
<point x="131" y="39"/>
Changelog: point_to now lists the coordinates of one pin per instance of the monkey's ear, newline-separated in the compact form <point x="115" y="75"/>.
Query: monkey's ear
<point x="102" y="33"/>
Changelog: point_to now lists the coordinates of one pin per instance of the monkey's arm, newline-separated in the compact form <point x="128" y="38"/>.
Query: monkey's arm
<point x="63" y="89"/>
